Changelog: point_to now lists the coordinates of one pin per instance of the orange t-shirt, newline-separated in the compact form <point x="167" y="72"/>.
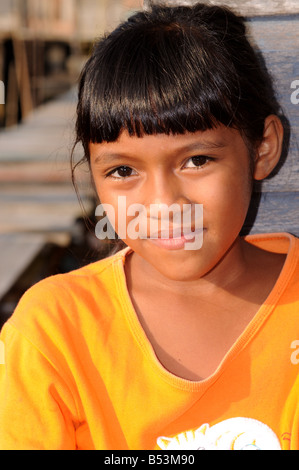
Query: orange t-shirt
<point x="79" y="373"/>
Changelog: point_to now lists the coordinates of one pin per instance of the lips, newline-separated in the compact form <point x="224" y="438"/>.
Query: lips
<point x="176" y="243"/>
<point x="173" y="232"/>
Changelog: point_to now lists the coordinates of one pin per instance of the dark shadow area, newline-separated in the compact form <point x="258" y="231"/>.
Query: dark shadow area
<point x="53" y="259"/>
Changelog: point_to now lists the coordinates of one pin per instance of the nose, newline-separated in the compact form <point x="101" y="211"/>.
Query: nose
<point x="163" y="191"/>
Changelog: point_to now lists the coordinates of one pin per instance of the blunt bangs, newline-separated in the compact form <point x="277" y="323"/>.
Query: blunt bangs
<point x="174" y="70"/>
<point x="161" y="81"/>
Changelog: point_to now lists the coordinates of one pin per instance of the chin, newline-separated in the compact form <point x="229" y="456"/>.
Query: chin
<point x="190" y="269"/>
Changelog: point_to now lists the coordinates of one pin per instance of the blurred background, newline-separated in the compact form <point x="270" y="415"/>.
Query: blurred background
<point x="43" y="46"/>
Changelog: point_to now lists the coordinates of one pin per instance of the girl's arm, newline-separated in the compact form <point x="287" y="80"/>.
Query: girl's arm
<point x="36" y="406"/>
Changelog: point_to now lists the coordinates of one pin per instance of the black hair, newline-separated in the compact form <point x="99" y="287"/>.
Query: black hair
<point x="172" y="70"/>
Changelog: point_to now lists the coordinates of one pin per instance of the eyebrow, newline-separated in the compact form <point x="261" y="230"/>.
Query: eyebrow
<point x="108" y="156"/>
<point x="207" y="144"/>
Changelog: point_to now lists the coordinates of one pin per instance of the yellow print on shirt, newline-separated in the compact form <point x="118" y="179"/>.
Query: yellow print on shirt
<point x="231" y="434"/>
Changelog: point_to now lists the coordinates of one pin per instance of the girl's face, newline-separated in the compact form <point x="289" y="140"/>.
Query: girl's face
<point x="211" y="168"/>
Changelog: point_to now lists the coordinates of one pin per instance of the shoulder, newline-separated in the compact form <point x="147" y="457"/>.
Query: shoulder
<point x="72" y="284"/>
<point x="65" y="318"/>
<point x="280" y="243"/>
<point x="288" y="245"/>
<point x="68" y="297"/>
<point x="277" y="242"/>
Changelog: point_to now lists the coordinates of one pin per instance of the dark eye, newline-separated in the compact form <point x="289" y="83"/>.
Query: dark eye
<point x="197" y="161"/>
<point x="121" y="172"/>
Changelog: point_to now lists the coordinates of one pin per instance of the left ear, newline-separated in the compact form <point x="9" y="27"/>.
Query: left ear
<point x="269" y="150"/>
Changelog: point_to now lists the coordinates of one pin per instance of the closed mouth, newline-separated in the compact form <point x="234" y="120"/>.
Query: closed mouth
<point x="175" y="232"/>
<point x="181" y="241"/>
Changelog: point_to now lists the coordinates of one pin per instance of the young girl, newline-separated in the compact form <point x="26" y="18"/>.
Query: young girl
<point x="160" y="346"/>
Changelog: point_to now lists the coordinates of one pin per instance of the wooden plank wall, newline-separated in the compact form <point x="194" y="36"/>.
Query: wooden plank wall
<point x="278" y="38"/>
<point x="260" y="7"/>
<point x="244" y="7"/>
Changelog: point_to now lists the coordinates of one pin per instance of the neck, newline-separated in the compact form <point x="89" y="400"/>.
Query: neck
<point x="225" y="275"/>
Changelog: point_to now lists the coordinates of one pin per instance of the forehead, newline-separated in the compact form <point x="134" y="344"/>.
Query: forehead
<point x="219" y="138"/>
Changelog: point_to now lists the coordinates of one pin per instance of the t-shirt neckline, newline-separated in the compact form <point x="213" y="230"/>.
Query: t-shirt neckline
<point x="246" y="336"/>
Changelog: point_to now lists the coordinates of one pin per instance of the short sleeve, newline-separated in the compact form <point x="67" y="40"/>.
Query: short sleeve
<point x="36" y="406"/>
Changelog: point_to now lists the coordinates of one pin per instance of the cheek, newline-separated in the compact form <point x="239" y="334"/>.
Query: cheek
<point x="226" y="201"/>
<point x="116" y="210"/>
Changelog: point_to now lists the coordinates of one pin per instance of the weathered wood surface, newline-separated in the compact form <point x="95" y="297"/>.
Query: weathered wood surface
<point x="278" y="39"/>
<point x="39" y="208"/>
<point x="261" y="7"/>
<point x="46" y="135"/>
<point x="246" y="7"/>
<point x="38" y="204"/>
